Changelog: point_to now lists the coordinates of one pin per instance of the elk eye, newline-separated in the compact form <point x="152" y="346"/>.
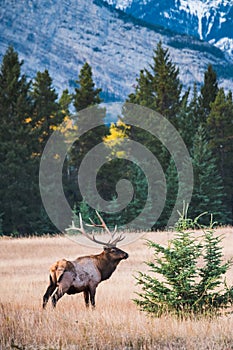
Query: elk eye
<point x="113" y="250"/>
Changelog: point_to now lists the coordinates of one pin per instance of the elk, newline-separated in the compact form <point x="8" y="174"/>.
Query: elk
<point x="86" y="272"/>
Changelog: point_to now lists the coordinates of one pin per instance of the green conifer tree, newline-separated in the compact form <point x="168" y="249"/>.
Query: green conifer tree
<point x="159" y="87"/>
<point x="17" y="200"/>
<point x="188" y="118"/>
<point x="172" y="190"/>
<point x="86" y="100"/>
<point x="47" y="113"/>
<point x="177" y="285"/>
<point x="86" y="94"/>
<point x="143" y="94"/>
<point x="209" y="92"/>
<point x="167" y="84"/>
<point x="208" y="192"/>
<point x="65" y="101"/>
<point x="220" y="130"/>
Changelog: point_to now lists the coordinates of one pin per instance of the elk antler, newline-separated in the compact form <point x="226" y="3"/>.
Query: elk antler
<point x="111" y="243"/>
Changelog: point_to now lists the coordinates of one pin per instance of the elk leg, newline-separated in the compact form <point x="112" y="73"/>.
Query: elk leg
<point x="56" y="296"/>
<point x="51" y="288"/>
<point x="92" y="296"/>
<point x="86" y="297"/>
<point x="63" y="286"/>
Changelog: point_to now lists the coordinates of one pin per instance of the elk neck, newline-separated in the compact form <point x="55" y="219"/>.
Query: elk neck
<point x="106" y="265"/>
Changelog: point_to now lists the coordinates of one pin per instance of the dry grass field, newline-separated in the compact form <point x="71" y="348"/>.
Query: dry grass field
<point x="116" y="323"/>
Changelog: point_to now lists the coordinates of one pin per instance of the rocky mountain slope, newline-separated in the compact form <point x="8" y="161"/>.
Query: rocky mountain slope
<point x="209" y="20"/>
<point x="61" y="35"/>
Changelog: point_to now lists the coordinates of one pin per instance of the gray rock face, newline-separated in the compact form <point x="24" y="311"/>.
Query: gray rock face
<point x="61" y="35"/>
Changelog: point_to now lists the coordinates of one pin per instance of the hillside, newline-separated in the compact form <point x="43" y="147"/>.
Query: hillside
<point x="209" y="20"/>
<point x="61" y="35"/>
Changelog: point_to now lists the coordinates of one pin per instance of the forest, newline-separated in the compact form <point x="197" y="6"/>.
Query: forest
<point x="30" y="111"/>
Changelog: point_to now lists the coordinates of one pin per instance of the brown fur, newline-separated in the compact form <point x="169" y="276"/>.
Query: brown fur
<point x="105" y="264"/>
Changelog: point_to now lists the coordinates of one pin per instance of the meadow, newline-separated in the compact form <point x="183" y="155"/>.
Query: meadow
<point x="115" y="324"/>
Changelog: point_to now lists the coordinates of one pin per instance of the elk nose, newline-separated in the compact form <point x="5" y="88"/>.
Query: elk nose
<point x="126" y="256"/>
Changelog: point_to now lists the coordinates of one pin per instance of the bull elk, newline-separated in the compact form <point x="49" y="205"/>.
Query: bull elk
<point x="85" y="273"/>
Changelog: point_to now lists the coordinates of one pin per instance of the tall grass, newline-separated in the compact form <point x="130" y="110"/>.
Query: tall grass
<point x="116" y="323"/>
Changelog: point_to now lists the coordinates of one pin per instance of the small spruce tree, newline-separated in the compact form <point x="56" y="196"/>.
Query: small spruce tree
<point x="177" y="284"/>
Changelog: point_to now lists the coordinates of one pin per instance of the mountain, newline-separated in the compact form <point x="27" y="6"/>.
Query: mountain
<point x="209" y="20"/>
<point x="61" y="35"/>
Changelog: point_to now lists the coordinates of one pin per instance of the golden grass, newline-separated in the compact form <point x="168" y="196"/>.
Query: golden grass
<point x="116" y="323"/>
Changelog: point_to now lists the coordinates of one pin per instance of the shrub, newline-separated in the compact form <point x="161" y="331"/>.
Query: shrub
<point x="186" y="277"/>
<point x="186" y="223"/>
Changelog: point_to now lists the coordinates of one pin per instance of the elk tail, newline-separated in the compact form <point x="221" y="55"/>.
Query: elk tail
<point x="57" y="270"/>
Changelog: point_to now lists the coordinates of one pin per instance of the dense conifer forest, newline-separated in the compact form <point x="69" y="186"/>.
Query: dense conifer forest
<point x="31" y="110"/>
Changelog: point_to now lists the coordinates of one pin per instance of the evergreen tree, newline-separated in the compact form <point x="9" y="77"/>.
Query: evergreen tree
<point x="220" y="129"/>
<point x="120" y="168"/>
<point x="17" y="200"/>
<point x="86" y="95"/>
<point x="188" y="118"/>
<point x="143" y="91"/>
<point x="172" y="190"/>
<point x="176" y="190"/>
<point x="176" y="284"/>
<point x="159" y="88"/>
<point x="138" y="180"/>
<point x="65" y="101"/>
<point x="85" y="210"/>
<point x="167" y="84"/>
<point x="208" y="93"/>
<point x="47" y="113"/>
<point x="208" y="192"/>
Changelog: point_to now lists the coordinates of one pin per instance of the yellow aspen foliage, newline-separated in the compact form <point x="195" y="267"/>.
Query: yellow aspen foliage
<point x="28" y="120"/>
<point x="118" y="132"/>
<point x="67" y="125"/>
